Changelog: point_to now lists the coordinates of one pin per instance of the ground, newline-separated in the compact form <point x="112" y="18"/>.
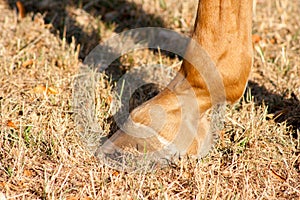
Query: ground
<point x="41" y="155"/>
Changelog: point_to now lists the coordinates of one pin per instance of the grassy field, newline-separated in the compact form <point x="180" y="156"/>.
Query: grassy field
<point x="41" y="156"/>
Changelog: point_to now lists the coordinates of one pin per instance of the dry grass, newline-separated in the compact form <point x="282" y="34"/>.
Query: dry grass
<point x="41" y="156"/>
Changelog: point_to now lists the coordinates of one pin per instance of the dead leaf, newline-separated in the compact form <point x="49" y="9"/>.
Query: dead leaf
<point x="27" y="173"/>
<point x="109" y="100"/>
<point x="87" y="198"/>
<point x="256" y="38"/>
<point x="27" y="63"/>
<point x="276" y="175"/>
<point x="39" y="89"/>
<point x="72" y="198"/>
<point x="270" y="116"/>
<point x="2" y="184"/>
<point x="115" y="173"/>
<point x="273" y="40"/>
<point x="52" y="90"/>
<point x="43" y="89"/>
<point x="21" y="9"/>
<point x="11" y="124"/>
